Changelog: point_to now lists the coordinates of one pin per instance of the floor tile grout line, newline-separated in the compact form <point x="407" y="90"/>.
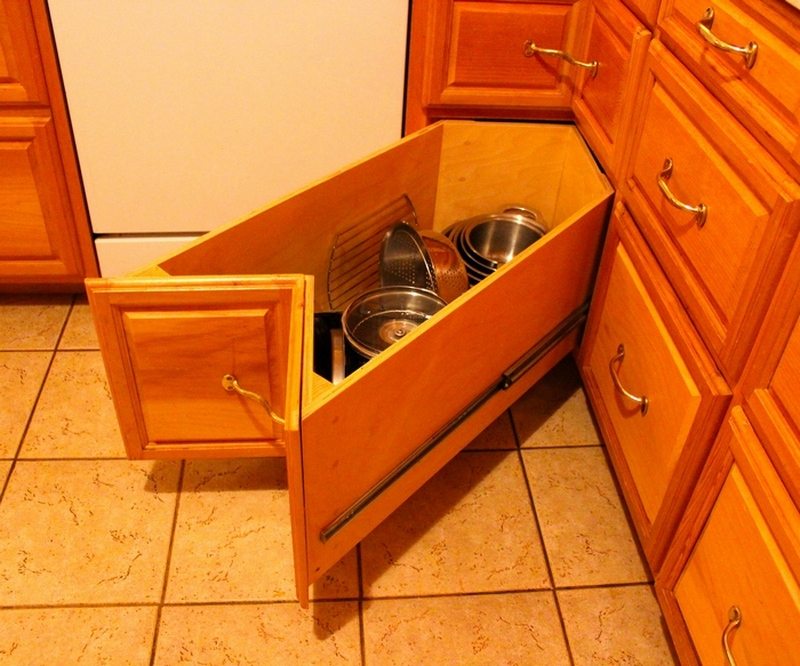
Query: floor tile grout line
<point x="331" y="600"/>
<point x="539" y="531"/>
<point x="165" y="582"/>
<point x="35" y="404"/>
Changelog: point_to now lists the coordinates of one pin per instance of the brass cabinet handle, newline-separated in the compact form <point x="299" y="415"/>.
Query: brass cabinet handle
<point x="700" y="210"/>
<point x="748" y="52"/>
<point x="642" y="400"/>
<point x="734" y="620"/>
<point x="230" y="383"/>
<point x="530" y="49"/>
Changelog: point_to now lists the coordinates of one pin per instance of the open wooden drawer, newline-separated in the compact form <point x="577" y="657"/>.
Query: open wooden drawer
<point x="241" y="301"/>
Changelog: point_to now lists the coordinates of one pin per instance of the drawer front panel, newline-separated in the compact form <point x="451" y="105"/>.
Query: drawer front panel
<point x="21" y="75"/>
<point x="712" y="203"/>
<point x="35" y="210"/>
<point x="739" y="560"/>
<point x="167" y="348"/>
<point x="766" y="96"/>
<point x="484" y="62"/>
<point x="640" y="346"/>
<point x="720" y="252"/>
<point x="651" y="367"/>
<point x="603" y="103"/>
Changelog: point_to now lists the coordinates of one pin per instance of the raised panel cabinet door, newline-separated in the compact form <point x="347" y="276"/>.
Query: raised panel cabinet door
<point x="476" y="58"/>
<point x="176" y="350"/>
<point x="739" y="589"/>
<point x="655" y="395"/>
<point x="719" y="212"/>
<point x="21" y="75"/>
<point x="747" y="53"/>
<point x="604" y="98"/>
<point x="37" y="232"/>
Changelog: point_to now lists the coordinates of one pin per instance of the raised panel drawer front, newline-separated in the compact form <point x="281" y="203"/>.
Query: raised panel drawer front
<point x="38" y="237"/>
<point x="718" y="211"/>
<point x="655" y="393"/>
<point x="169" y="344"/>
<point x="746" y="558"/>
<point x="759" y="79"/>
<point x="371" y="440"/>
<point x="21" y="75"/>
<point x="603" y="101"/>
<point x="484" y="63"/>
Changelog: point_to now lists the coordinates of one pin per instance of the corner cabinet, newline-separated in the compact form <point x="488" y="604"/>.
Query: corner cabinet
<point x="45" y="241"/>
<point x="239" y="305"/>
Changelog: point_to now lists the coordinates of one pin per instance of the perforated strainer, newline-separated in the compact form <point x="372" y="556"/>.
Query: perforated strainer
<point x="424" y="259"/>
<point x="404" y="260"/>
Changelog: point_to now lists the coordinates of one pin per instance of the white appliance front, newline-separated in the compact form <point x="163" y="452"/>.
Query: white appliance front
<point x="189" y="114"/>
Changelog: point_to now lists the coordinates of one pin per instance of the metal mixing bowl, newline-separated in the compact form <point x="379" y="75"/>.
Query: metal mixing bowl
<point x="500" y="237"/>
<point x="380" y="317"/>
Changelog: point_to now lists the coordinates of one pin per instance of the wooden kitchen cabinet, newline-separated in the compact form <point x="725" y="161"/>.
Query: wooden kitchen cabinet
<point x="658" y="396"/>
<point x="241" y="302"/>
<point x="717" y="209"/>
<point x="45" y="240"/>
<point x="731" y="577"/>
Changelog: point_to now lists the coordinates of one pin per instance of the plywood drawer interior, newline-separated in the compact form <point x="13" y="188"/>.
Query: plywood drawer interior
<point x="358" y="433"/>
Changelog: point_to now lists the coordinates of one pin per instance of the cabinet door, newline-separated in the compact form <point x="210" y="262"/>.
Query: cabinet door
<point x="736" y="585"/>
<point x="169" y="346"/>
<point x="604" y="97"/>
<point x="37" y="232"/>
<point x="655" y="396"/>
<point x="21" y="76"/>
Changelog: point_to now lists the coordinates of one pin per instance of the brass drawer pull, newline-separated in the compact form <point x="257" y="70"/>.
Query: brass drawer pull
<point x="734" y="620"/>
<point x="642" y="401"/>
<point x="700" y="210"/>
<point x="748" y="52"/>
<point x="530" y="49"/>
<point x="230" y="383"/>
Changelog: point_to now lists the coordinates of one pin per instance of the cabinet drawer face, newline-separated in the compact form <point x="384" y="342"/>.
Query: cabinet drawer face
<point x="484" y="62"/>
<point x="765" y="96"/>
<point x="167" y="354"/>
<point x="21" y="75"/>
<point x="689" y="154"/>
<point x="739" y="560"/>
<point x="35" y="212"/>
<point x="603" y="102"/>
<point x="650" y="368"/>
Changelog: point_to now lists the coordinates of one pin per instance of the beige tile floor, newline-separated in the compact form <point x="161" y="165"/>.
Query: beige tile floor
<point x="518" y="552"/>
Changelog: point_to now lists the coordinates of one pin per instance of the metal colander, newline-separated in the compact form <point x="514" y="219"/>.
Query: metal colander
<point x="424" y="259"/>
<point x="404" y="260"/>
